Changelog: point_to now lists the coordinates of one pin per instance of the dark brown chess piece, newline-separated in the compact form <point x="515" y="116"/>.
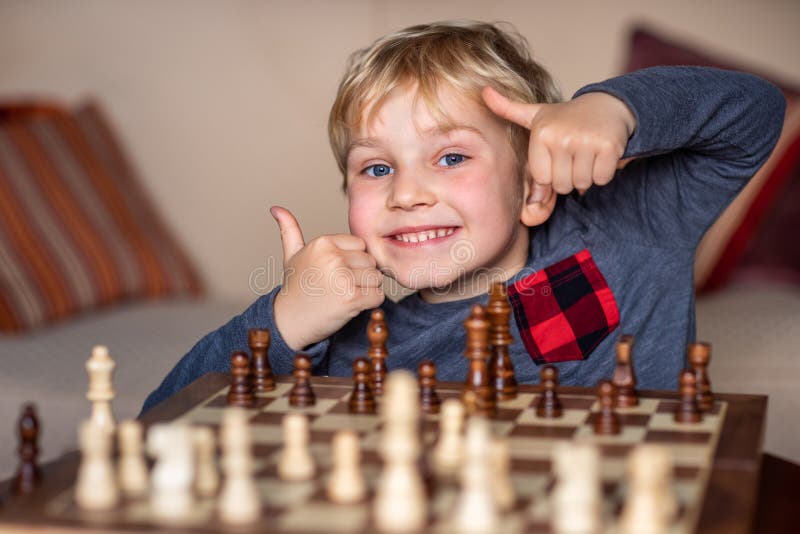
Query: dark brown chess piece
<point x="301" y="393"/>
<point x="548" y="405"/>
<point x="261" y="372"/>
<point x="624" y="379"/>
<point x="240" y="392"/>
<point x="361" y="399"/>
<point x="687" y="410"/>
<point x="428" y="399"/>
<point x="699" y="358"/>
<point x="28" y="474"/>
<point x="377" y="333"/>
<point x="477" y="352"/>
<point x="606" y="422"/>
<point x="501" y="368"/>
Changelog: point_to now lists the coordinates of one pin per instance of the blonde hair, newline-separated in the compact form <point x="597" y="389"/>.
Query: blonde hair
<point x="466" y="55"/>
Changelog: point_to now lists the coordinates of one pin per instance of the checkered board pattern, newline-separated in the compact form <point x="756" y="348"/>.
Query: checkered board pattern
<point x="303" y="506"/>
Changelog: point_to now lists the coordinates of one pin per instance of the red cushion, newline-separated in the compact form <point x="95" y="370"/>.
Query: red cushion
<point x="76" y="230"/>
<point x="748" y="242"/>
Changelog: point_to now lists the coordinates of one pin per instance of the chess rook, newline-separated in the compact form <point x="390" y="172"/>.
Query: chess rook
<point x="240" y="393"/>
<point x="301" y="394"/>
<point x="428" y="399"/>
<point x="28" y="474"/>
<point x="699" y="358"/>
<point x="624" y="379"/>
<point x="261" y="372"/>
<point x="361" y="399"/>
<point x="687" y="410"/>
<point x="377" y="333"/>
<point x="548" y="405"/>
<point x="501" y="368"/>
<point x="477" y="352"/>
<point x="100" y="368"/>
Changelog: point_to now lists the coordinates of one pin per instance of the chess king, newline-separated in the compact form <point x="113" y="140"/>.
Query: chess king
<point x="462" y="165"/>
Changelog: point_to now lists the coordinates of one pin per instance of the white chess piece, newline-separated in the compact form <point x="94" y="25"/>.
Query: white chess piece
<point x="650" y="505"/>
<point x="296" y="462"/>
<point x="400" y="504"/>
<point x="449" y="451"/>
<point x="171" y="497"/>
<point x="476" y="508"/>
<point x="100" y="368"/>
<point x="96" y="487"/>
<point x="346" y="484"/>
<point x="132" y="468"/>
<point x="206" y="481"/>
<point x="239" y="500"/>
<point x="576" y="499"/>
<point x="502" y="486"/>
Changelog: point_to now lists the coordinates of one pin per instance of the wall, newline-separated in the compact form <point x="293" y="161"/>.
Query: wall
<point x="223" y="105"/>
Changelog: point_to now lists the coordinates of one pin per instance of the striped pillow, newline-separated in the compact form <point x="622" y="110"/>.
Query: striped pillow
<point x="76" y="230"/>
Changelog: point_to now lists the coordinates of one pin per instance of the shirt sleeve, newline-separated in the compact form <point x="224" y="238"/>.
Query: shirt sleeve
<point x="700" y="135"/>
<point x="213" y="352"/>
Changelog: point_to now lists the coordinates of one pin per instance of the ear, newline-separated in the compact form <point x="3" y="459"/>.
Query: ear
<point x="536" y="212"/>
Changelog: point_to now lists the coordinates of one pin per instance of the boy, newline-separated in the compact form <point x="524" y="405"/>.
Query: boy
<point x="461" y="167"/>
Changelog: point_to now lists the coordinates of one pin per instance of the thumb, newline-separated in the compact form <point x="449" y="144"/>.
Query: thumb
<point x="291" y="235"/>
<point x="516" y="112"/>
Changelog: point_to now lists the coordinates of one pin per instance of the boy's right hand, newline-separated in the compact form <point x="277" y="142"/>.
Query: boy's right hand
<point x="326" y="283"/>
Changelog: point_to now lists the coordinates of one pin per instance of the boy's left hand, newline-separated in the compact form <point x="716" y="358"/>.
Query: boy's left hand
<point x="573" y="144"/>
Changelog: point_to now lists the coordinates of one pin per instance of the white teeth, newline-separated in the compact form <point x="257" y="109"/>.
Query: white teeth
<point x="424" y="236"/>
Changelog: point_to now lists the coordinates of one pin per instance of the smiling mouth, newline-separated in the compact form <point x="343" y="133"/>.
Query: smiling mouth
<point x="423" y="235"/>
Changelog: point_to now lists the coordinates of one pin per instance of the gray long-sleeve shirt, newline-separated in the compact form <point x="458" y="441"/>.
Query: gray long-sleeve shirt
<point x="701" y="134"/>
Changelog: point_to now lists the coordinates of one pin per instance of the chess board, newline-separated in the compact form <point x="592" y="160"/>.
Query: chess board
<point x="715" y="474"/>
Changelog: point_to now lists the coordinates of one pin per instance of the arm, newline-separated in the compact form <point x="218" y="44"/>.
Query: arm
<point x="213" y="352"/>
<point x="701" y="134"/>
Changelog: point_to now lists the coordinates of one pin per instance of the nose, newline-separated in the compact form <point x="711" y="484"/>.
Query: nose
<point x="411" y="190"/>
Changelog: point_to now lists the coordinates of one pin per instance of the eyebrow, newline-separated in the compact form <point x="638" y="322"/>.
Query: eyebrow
<point x="370" y="142"/>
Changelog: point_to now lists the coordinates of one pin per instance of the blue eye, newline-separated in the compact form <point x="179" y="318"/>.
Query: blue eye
<point x="450" y="160"/>
<point x="376" y="171"/>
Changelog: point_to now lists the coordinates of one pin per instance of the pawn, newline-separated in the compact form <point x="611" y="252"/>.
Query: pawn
<point x="687" y="410"/>
<point x="548" y="405"/>
<point x="606" y="422"/>
<point x="428" y="399"/>
<point x="377" y="333"/>
<point x="263" y="379"/>
<point x="206" y="480"/>
<point x="361" y="399"/>
<point x="240" y="392"/>
<point x="132" y="467"/>
<point x="301" y="393"/>
<point x="448" y="454"/>
<point x="28" y="474"/>
<point x="96" y="487"/>
<point x="624" y="378"/>
<point x="502" y="486"/>
<point x="296" y="462"/>
<point x="699" y="357"/>
<point x="346" y="484"/>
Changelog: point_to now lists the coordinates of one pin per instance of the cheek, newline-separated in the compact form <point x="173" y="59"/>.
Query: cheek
<point x="359" y="215"/>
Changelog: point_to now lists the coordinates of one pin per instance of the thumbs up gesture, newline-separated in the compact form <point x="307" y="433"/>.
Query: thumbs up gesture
<point x="572" y="144"/>
<point x="326" y="282"/>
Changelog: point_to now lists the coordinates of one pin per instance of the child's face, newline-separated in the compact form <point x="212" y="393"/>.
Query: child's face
<point x="437" y="207"/>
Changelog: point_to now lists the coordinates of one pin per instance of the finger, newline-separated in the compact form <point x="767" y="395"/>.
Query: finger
<point x="516" y="112"/>
<point x="371" y="297"/>
<point x="540" y="163"/>
<point x="541" y="193"/>
<point x="369" y="277"/>
<point x="605" y="165"/>
<point x="348" y="242"/>
<point x="582" y="169"/>
<point x="562" y="172"/>
<point x="291" y="235"/>
<point x="356" y="259"/>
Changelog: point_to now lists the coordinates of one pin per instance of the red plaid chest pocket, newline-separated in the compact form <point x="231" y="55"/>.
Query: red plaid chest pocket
<point x="564" y="311"/>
